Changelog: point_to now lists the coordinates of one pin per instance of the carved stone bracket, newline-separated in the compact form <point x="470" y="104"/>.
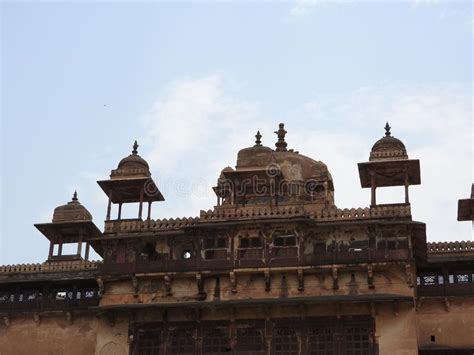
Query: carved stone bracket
<point x="233" y="282"/>
<point x="37" y="318"/>
<point x="217" y="289"/>
<point x="135" y="285"/>
<point x="409" y="274"/>
<point x="370" y="276"/>
<point x="167" y="279"/>
<point x="6" y="320"/>
<point x="335" y="284"/>
<point x="268" y="281"/>
<point x="300" y="280"/>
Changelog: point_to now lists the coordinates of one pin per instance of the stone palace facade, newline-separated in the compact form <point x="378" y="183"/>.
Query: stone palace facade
<point x="274" y="268"/>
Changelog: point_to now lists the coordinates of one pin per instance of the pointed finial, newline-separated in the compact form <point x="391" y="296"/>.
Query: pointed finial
<point x="74" y="196"/>
<point x="135" y="147"/>
<point x="387" y="130"/>
<point x="258" y="142"/>
<point x="281" y="144"/>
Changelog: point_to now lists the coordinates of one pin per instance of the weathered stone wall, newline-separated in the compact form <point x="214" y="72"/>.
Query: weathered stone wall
<point x="53" y="335"/>
<point x="112" y="335"/>
<point x="396" y="329"/>
<point x="451" y="324"/>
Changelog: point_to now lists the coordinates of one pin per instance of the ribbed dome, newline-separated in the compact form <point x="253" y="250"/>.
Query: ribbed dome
<point x="256" y="156"/>
<point x="133" y="161"/>
<point x="132" y="166"/>
<point x="388" y="148"/>
<point x="227" y="169"/>
<point x="222" y="178"/>
<point x="293" y="166"/>
<point x="71" y="212"/>
<point x="299" y="178"/>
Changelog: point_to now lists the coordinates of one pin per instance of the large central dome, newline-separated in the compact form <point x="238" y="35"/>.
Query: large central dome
<point x="263" y="175"/>
<point x="292" y="165"/>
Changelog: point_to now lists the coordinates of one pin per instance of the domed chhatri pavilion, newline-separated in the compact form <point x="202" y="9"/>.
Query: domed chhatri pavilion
<point x="274" y="268"/>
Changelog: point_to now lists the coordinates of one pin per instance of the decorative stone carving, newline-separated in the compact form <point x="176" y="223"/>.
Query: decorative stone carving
<point x="167" y="280"/>
<point x="335" y="284"/>
<point x="268" y="280"/>
<point x="300" y="280"/>
<point x="370" y="276"/>
<point x="233" y="282"/>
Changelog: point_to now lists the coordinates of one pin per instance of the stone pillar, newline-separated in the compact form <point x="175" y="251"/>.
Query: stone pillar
<point x="407" y="199"/>
<point x="119" y="211"/>
<point x="86" y="257"/>
<point x="140" y="207"/>
<point x="51" y="249"/>
<point x="149" y="210"/>
<point x="373" y="201"/>
<point x="109" y="206"/>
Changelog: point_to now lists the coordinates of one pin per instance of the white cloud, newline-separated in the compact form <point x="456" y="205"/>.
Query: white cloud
<point x="197" y="126"/>
<point x="194" y="129"/>
<point x="303" y="7"/>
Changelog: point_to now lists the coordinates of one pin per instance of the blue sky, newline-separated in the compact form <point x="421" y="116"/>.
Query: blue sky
<point x="80" y="81"/>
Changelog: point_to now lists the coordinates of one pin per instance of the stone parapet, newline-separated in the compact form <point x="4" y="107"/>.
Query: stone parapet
<point x="243" y="213"/>
<point x="450" y="247"/>
<point x="50" y="267"/>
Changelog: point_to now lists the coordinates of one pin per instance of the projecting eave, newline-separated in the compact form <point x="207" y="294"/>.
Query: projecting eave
<point x="69" y="232"/>
<point x="389" y="172"/>
<point x="129" y="190"/>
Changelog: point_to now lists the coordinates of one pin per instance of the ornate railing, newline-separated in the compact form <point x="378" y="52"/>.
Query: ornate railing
<point x="138" y="225"/>
<point x="132" y="225"/>
<point x="50" y="266"/>
<point x="379" y="211"/>
<point x="252" y="212"/>
<point x="450" y="247"/>
<point x="444" y="283"/>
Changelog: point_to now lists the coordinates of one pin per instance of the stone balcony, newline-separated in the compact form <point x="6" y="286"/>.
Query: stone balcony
<point x="391" y="211"/>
